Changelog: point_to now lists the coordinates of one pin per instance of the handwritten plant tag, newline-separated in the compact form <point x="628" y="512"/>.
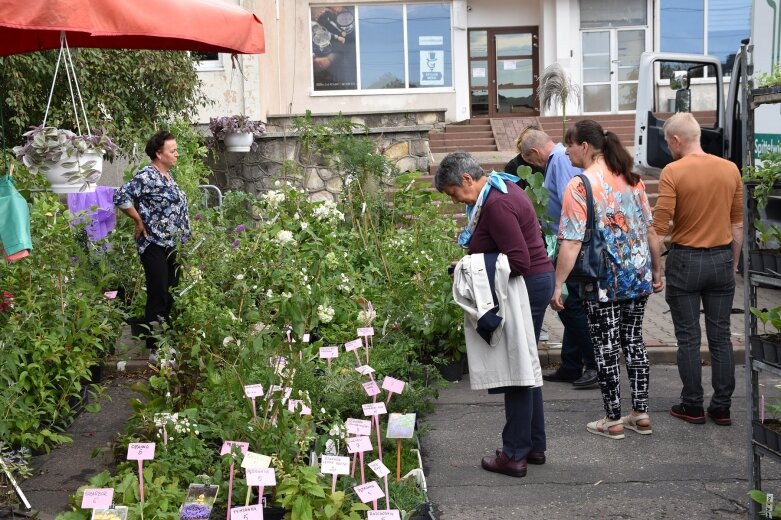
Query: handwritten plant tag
<point x="374" y="409"/>
<point x="369" y="492"/>
<point x="335" y="465"/>
<point x="286" y="391"/>
<point x="141" y="451"/>
<point x="247" y="513"/>
<point x="379" y="468"/>
<point x="255" y="460"/>
<point x="261" y="477"/>
<point x="401" y="426"/>
<point x="227" y="445"/>
<point x="292" y="404"/>
<point x="254" y="390"/>
<point x="329" y="352"/>
<point x="358" y="426"/>
<point x="366" y="331"/>
<point x="110" y="294"/>
<point x="371" y="388"/>
<point x="383" y="514"/>
<point x="100" y="498"/>
<point x="113" y="513"/>
<point x="364" y="370"/>
<point x="359" y="444"/>
<point x="393" y="385"/>
<point x="305" y="338"/>
<point x="353" y="345"/>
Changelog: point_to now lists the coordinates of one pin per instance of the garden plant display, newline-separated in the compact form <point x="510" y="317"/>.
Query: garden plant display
<point x="266" y="283"/>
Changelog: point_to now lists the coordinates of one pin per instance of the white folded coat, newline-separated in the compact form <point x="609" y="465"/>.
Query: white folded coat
<point x="511" y="359"/>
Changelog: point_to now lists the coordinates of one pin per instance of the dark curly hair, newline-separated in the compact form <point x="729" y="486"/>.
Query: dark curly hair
<point x="156" y="143"/>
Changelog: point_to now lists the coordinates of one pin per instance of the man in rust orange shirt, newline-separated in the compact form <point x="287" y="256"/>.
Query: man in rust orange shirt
<point x="702" y="195"/>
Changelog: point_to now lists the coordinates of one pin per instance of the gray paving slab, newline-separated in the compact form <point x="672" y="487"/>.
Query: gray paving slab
<point x="680" y="471"/>
<point x="59" y="473"/>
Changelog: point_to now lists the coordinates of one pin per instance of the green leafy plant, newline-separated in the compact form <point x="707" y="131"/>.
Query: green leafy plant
<point x="768" y="317"/>
<point x="769" y="79"/>
<point x="308" y="497"/>
<point x="763" y="176"/>
<point x="761" y="498"/>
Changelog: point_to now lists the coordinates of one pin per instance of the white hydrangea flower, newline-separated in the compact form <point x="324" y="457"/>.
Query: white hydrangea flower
<point x="304" y="225"/>
<point x="273" y="198"/>
<point x="269" y="293"/>
<point x="239" y="276"/>
<point x="284" y="237"/>
<point x="325" y="313"/>
<point x="286" y="295"/>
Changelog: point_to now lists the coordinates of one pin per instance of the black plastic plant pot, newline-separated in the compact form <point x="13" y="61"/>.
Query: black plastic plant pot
<point x="452" y="370"/>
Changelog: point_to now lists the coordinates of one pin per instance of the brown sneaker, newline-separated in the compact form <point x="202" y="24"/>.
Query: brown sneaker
<point x="503" y="464"/>
<point x="720" y="415"/>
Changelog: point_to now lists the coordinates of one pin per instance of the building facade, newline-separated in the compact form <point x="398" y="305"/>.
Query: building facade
<point x="471" y="58"/>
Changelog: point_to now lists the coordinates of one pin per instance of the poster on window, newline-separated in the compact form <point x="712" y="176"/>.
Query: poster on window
<point x="333" y="48"/>
<point x="432" y="68"/>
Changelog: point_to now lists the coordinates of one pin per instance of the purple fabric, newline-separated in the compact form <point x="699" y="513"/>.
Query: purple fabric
<point x="104" y="219"/>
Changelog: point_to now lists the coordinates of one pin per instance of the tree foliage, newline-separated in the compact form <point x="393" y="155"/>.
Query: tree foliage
<point x="129" y="93"/>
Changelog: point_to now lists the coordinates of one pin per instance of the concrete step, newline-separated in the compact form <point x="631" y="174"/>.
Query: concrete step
<point x="476" y="148"/>
<point x="464" y="143"/>
<point x="452" y="136"/>
<point x="458" y="129"/>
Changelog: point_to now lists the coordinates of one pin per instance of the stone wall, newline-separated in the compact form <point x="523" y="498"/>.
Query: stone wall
<point x="401" y="136"/>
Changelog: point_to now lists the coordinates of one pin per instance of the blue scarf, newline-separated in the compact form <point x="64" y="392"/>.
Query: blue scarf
<point x="495" y="180"/>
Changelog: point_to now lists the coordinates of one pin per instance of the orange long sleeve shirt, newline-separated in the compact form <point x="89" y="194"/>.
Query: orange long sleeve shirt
<point x="703" y="196"/>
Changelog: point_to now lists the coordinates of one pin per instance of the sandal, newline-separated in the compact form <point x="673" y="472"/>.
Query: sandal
<point x="632" y="421"/>
<point x="602" y="427"/>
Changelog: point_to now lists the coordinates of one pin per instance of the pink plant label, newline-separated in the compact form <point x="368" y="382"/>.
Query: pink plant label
<point x="379" y="468"/>
<point x="305" y="338"/>
<point x="371" y="388"/>
<point x="329" y="352"/>
<point x="353" y="345"/>
<point x="247" y="513"/>
<point x="359" y="444"/>
<point x="335" y="465"/>
<point x="97" y="498"/>
<point x="393" y="385"/>
<point x="141" y="451"/>
<point x="261" y="477"/>
<point x="228" y="445"/>
<point x="374" y="409"/>
<point x="294" y="404"/>
<point x="253" y="390"/>
<point x="369" y="492"/>
<point x="358" y="426"/>
<point x="366" y="331"/>
<point x="364" y="370"/>
<point x="383" y="514"/>
<point x="110" y="294"/>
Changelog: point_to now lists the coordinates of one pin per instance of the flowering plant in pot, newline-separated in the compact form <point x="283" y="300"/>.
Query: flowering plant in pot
<point x="71" y="162"/>
<point x="238" y="132"/>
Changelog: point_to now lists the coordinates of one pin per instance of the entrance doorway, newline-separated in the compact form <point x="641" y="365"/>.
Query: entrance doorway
<point x="611" y="60"/>
<point x="503" y="71"/>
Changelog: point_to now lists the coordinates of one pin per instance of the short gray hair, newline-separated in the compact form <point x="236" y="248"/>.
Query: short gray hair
<point x="451" y="168"/>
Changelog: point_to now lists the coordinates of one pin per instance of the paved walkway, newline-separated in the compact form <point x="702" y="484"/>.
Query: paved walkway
<point x="658" y="329"/>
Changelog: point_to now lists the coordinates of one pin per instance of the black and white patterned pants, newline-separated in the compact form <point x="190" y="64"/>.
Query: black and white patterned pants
<point x="615" y="326"/>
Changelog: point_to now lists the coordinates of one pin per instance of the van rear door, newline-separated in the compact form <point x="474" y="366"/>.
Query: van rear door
<point x="670" y="83"/>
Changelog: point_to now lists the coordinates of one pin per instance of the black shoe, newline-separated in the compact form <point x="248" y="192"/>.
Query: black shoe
<point x="689" y="413"/>
<point x="587" y="380"/>
<point x="533" y="457"/>
<point x="720" y="415"/>
<point x="557" y="376"/>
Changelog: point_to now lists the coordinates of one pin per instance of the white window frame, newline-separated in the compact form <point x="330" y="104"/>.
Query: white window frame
<point x="211" y="65"/>
<point x="378" y="92"/>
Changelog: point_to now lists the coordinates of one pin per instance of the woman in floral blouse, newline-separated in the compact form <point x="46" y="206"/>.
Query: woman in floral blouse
<point x="159" y="209"/>
<point x="616" y="303"/>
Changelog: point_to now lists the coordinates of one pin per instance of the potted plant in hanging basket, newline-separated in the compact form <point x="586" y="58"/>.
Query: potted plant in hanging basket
<point x="238" y="132"/>
<point x="72" y="163"/>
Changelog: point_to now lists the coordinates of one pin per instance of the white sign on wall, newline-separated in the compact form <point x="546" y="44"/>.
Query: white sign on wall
<point x="432" y="68"/>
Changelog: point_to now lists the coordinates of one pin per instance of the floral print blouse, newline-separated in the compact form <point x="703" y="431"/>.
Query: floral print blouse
<point x="161" y="204"/>
<point x="623" y="216"/>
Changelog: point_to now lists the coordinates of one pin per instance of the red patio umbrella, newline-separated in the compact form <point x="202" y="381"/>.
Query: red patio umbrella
<point x="188" y="25"/>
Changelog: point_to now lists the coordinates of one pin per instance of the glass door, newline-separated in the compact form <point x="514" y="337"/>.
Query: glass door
<point x="611" y="59"/>
<point x="503" y="71"/>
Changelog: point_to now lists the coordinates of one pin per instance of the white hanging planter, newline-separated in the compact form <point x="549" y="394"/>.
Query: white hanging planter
<point x="64" y="178"/>
<point x="239" y="141"/>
